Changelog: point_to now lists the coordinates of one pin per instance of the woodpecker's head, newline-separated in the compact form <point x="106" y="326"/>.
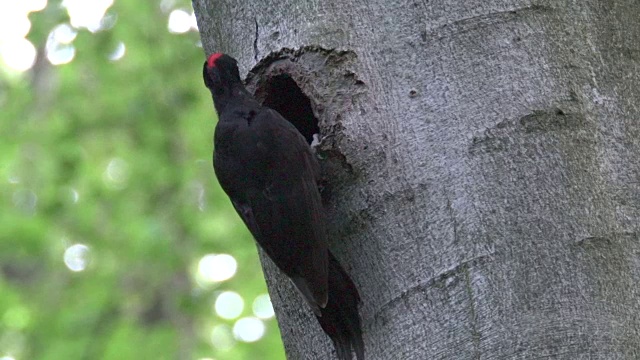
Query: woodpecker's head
<point x="220" y="72"/>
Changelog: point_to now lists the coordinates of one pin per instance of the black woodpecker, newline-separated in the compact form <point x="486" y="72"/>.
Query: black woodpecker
<point x="271" y="175"/>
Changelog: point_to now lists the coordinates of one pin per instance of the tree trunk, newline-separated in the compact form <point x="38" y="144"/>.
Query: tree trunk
<point x="482" y="162"/>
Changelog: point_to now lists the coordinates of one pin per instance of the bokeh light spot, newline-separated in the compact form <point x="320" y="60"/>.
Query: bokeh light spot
<point x="117" y="173"/>
<point x="13" y="24"/>
<point x="118" y="53"/>
<point x="194" y="22"/>
<point x="215" y="268"/>
<point x="87" y="13"/>
<point x="25" y="200"/>
<point x="108" y="21"/>
<point x="18" y="54"/>
<point x="63" y="34"/>
<point x="75" y="196"/>
<point x="222" y="338"/>
<point x="33" y="5"/>
<point x="229" y="305"/>
<point x="198" y="194"/>
<point x="262" y="307"/>
<point x="59" y="48"/>
<point x="76" y="257"/>
<point x="248" y="329"/>
<point x="179" y="21"/>
<point x="60" y="54"/>
<point x="167" y="5"/>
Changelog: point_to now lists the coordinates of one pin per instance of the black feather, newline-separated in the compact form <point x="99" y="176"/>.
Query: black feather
<point x="340" y="318"/>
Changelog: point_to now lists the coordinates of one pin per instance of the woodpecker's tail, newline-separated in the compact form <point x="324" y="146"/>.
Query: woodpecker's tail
<point x="340" y="319"/>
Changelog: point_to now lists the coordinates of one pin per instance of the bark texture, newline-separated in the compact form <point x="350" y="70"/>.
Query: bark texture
<point x="482" y="164"/>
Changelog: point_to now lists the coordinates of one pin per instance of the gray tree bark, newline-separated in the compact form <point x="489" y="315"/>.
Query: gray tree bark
<point x="483" y="158"/>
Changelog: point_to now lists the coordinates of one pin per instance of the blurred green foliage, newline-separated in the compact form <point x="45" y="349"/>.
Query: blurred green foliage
<point x="116" y="155"/>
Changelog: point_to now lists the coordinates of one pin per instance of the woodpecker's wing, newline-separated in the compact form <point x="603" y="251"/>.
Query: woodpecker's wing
<point x="285" y="214"/>
<point x="282" y="228"/>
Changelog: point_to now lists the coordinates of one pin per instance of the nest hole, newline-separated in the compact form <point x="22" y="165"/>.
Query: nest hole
<point x="286" y="97"/>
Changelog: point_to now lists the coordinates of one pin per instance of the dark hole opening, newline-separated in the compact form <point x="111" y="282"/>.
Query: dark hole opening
<point x="286" y="97"/>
